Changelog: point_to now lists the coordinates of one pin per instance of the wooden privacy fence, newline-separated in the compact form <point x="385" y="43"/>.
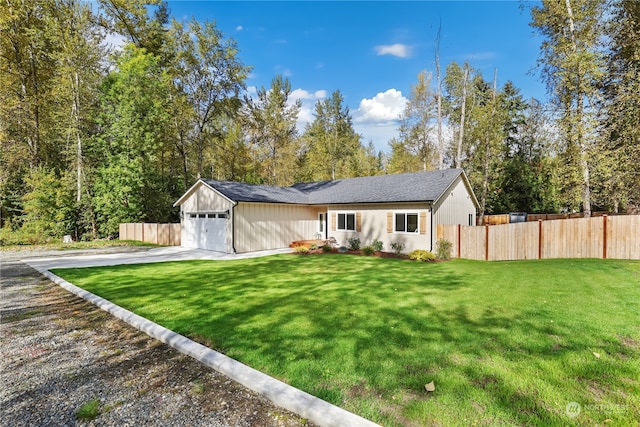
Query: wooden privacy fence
<point x="505" y="218"/>
<point x="603" y="237"/>
<point x="160" y="234"/>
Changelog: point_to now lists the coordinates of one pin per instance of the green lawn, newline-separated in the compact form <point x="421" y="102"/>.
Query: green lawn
<point x="506" y="343"/>
<point x="25" y="244"/>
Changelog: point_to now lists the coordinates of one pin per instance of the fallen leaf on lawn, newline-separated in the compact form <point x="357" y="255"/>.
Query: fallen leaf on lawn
<point x="597" y="355"/>
<point x="430" y="386"/>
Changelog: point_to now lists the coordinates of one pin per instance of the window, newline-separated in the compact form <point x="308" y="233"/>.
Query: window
<point x="346" y="222"/>
<point x="321" y="223"/>
<point x="209" y="215"/>
<point x="406" y="223"/>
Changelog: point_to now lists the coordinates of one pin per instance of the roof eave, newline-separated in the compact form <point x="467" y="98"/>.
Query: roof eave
<point x="193" y="188"/>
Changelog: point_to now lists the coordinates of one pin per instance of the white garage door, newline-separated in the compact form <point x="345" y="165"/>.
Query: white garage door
<point x="205" y="231"/>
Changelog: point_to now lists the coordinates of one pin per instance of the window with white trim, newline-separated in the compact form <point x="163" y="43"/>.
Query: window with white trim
<point x="346" y="221"/>
<point x="406" y="222"/>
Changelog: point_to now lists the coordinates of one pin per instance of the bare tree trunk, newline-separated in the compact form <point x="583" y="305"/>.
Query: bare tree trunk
<point x="439" y="98"/>
<point x="36" y="109"/>
<point x="182" y="151"/>
<point x="462" y="114"/>
<point x="582" y="145"/>
<point x="584" y="163"/>
<point x="200" y="156"/>
<point x="76" y="117"/>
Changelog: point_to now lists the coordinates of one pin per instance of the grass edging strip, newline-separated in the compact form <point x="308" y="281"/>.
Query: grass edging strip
<point x="281" y="394"/>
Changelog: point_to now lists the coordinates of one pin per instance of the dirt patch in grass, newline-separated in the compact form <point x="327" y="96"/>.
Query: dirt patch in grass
<point x="630" y="342"/>
<point x="485" y="382"/>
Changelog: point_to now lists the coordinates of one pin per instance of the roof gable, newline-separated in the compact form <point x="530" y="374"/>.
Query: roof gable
<point x="407" y="187"/>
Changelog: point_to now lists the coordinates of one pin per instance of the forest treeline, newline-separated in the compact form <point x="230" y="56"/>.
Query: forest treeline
<point x="92" y="136"/>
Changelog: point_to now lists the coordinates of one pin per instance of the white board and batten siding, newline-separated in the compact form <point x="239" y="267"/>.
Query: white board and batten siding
<point x="261" y="226"/>
<point x="375" y="222"/>
<point x="455" y="206"/>
<point x="206" y="220"/>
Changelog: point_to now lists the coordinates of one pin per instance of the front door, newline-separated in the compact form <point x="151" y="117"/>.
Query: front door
<point x="322" y="225"/>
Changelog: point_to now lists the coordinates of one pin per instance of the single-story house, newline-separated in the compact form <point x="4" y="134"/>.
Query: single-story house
<point x="235" y="217"/>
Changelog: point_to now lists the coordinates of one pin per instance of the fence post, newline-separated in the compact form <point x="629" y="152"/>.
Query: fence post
<point x="539" y="239"/>
<point x="604" y="240"/>
<point x="486" y="243"/>
<point x="459" y="226"/>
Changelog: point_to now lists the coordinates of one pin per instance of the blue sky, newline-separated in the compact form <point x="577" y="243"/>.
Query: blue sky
<point x="372" y="51"/>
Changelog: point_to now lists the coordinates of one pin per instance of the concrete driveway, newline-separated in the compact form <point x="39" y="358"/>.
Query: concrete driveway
<point x="164" y="254"/>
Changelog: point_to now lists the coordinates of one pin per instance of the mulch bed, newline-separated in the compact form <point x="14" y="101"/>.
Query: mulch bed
<point x="351" y="252"/>
<point x="381" y="254"/>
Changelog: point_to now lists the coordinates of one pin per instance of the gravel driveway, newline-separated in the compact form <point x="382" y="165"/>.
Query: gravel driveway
<point x="58" y="352"/>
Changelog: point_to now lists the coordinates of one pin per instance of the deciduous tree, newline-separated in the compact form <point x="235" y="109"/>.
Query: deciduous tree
<point x="208" y="77"/>
<point x="571" y="64"/>
<point x="418" y="132"/>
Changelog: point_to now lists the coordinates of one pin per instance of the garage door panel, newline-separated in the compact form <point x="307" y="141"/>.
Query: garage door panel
<point x="206" y="233"/>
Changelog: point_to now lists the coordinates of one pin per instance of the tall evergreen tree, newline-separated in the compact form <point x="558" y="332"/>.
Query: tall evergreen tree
<point x="620" y="169"/>
<point x="271" y="120"/>
<point x="330" y="140"/>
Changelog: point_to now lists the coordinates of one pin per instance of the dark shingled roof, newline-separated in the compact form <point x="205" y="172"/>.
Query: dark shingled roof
<point x="241" y="192"/>
<point x="406" y="187"/>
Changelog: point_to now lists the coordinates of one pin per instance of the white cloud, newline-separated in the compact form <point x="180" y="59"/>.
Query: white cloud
<point x="308" y="100"/>
<point x="114" y="41"/>
<point x="376" y="119"/>
<point x="239" y="28"/>
<point x="384" y="107"/>
<point x="303" y="94"/>
<point x="397" y="49"/>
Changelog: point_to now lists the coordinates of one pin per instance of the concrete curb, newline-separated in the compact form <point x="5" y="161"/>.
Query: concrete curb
<point x="307" y="406"/>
